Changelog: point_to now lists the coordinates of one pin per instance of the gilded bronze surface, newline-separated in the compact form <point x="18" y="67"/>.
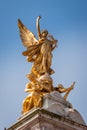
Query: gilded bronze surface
<point x="38" y="51"/>
<point x="61" y="89"/>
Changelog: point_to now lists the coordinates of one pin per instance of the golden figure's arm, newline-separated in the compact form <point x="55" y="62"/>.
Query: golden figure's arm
<point x="38" y="26"/>
<point x="67" y="90"/>
<point x="54" y="42"/>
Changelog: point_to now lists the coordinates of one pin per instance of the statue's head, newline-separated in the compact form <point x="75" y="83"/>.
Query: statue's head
<point x="60" y="86"/>
<point x="44" y="33"/>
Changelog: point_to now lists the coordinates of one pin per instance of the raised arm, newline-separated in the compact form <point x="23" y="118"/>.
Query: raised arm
<point x="38" y="26"/>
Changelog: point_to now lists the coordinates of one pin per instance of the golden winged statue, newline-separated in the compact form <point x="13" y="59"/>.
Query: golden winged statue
<point x="38" y="51"/>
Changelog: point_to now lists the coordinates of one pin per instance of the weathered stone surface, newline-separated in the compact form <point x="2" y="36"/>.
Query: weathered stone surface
<point x="55" y="103"/>
<point x="41" y="119"/>
<point x="56" y="114"/>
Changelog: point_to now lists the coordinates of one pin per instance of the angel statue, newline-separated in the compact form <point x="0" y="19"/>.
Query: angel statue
<point x="39" y="51"/>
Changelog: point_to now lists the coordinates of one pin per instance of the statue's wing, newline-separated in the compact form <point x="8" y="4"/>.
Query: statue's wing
<point x="27" y="36"/>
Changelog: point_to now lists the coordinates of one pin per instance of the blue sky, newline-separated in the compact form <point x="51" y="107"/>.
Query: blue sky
<point x="66" y="20"/>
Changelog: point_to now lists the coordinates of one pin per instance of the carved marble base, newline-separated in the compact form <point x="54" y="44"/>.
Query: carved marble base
<point x="55" y="103"/>
<point x="56" y="114"/>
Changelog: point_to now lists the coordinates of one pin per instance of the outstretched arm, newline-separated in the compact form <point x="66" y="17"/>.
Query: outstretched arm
<point x="38" y="26"/>
<point x="68" y="90"/>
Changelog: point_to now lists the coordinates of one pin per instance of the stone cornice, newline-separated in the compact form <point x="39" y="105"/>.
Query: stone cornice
<point x="37" y="112"/>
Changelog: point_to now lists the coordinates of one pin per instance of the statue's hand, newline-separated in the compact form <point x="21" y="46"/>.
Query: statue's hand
<point x="72" y="85"/>
<point x="39" y="17"/>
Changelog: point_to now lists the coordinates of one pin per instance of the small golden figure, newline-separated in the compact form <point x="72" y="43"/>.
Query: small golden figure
<point x="61" y="89"/>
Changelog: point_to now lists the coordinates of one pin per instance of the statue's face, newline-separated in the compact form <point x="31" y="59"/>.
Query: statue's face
<point x="44" y="33"/>
<point x="60" y="86"/>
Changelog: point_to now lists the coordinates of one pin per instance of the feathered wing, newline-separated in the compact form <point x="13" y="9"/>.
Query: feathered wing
<point x="27" y="37"/>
